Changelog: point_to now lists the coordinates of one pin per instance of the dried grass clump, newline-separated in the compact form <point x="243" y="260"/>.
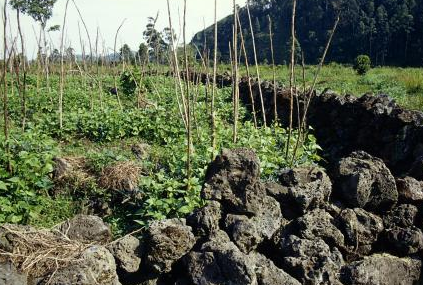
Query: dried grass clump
<point x="71" y="173"/>
<point x="122" y="175"/>
<point x="38" y="253"/>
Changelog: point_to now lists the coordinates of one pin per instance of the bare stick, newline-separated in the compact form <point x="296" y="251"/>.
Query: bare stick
<point x="235" y="73"/>
<point x="322" y="60"/>
<point x="4" y="73"/>
<point x="213" y="115"/>
<point x="177" y="71"/>
<point x="62" y="68"/>
<point x="250" y="87"/>
<point x="311" y="92"/>
<point x="257" y="67"/>
<point x="291" y="77"/>
<point x="24" y="67"/>
<point x="275" y="104"/>
<point x="115" y="66"/>
<point x="188" y="102"/>
<point x="86" y="30"/>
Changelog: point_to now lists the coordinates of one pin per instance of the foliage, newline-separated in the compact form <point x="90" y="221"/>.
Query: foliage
<point x="40" y="10"/>
<point x="24" y="192"/>
<point x="362" y="64"/>
<point x="390" y="32"/>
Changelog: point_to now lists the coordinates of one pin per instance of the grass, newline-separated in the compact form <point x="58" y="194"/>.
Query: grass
<point x="405" y="85"/>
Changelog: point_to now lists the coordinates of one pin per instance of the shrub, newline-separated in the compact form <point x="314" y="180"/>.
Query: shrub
<point x="362" y="64"/>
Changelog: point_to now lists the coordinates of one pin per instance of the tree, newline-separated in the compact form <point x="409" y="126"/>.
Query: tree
<point x="142" y="53"/>
<point x="55" y="56"/>
<point x="154" y="39"/>
<point x="126" y="54"/>
<point x="383" y="34"/>
<point x="40" y="10"/>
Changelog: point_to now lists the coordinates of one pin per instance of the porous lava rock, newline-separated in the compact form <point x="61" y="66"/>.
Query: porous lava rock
<point x="363" y="181"/>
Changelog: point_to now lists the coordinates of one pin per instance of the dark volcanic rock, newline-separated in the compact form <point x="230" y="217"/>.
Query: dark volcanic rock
<point x="205" y="221"/>
<point x="220" y="262"/>
<point x="410" y="190"/>
<point x="247" y="233"/>
<point x="311" y="261"/>
<point x="87" y="229"/>
<point x="233" y="180"/>
<point x="166" y="242"/>
<point x="391" y="270"/>
<point x="404" y="215"/>
<point x="126" y="252"/>
<point x="361" y="230"/>
<point x="269" y="274"/>
<point x="364" y="181"/>
<point x="320" y="224"/>
<point x="308" y="188"/>
<point x="403" y="241"/>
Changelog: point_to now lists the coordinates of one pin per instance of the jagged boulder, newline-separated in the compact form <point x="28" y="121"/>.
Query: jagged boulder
<point x="269" y="274"/>
<point x="365" y="182"/>
<point x="86" y="229"/>
<point x="390" y="270"/>
<point x="127" y="253"/>
<point x="219" y="261"/>
<point x="167" y="241"/>
<point x="319" y="224"/>
<point x="311" y="261"/>
<point x="307" y="188"/>
<point x="404" y="215"/>
<point x="361" y="230"/>
<point x="96" y="266"/>
<point x="410" y="190"/>
<point x="231" y="180"/>
<point x="205" y="221"/>
<point x="403" y="241"/>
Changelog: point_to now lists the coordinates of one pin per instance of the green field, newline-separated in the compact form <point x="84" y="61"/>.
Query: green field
<point x="98" y="138"/>
<point x="405" y="85"/>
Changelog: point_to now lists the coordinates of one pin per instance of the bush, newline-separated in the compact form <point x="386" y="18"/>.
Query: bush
<point x="362" y="64"/>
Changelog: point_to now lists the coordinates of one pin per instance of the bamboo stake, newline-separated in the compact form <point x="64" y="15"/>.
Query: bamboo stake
<point x="115" y="66"/>
<point x="62" y="68"/>
<point x="302" y="128"/>
<point x="24" y="67"/>
<point x="257" y="67"/>
<point x="178" y="72"/>
<point x="247" y="66"/>
<point x="86" y="30"/>
<point x="275" y="104"/>
<point x="235" y="73"/>
<point x="213" y="115"/>
<point x="188" y="101"/>
<point x="291" y="77"/>
<point x="5" y="98"/>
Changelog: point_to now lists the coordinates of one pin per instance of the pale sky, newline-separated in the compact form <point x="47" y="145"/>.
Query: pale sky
<point x="108" y="15"/>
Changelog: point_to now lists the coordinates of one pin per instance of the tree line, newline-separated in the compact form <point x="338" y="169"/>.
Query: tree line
<point x="390" y="32"/>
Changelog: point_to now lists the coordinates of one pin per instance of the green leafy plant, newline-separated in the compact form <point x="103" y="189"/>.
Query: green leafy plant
<point x="362" y="64"/>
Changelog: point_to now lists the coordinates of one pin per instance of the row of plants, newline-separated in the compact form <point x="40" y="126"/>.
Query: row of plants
<point x="104" y="135"/>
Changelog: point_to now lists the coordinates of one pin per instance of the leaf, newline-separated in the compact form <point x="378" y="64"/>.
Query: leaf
<point x="3" y="186"/>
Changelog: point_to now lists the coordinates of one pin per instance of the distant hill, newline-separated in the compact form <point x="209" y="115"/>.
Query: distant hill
<point x="390" y="31"/>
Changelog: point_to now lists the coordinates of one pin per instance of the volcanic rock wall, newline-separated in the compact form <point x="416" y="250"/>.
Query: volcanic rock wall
<point x="343" y="124"/>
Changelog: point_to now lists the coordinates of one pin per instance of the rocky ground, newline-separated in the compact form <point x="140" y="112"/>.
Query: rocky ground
<point x="354" y="224"/>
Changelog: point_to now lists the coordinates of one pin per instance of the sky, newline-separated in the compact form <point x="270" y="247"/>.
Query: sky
<point x="107" y="15"/>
